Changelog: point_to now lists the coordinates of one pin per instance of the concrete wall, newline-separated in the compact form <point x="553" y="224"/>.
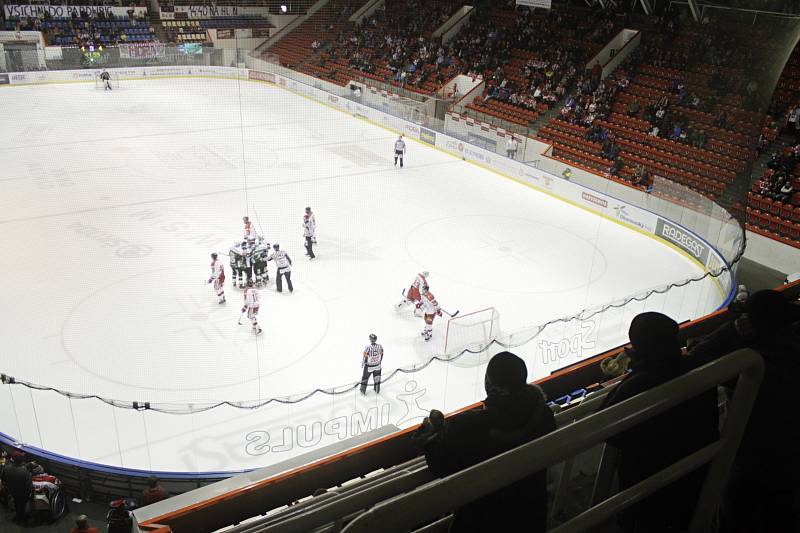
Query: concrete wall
<point x="772" y="253"/>
<point x="453" y="25"/>
<point x="623" y="44"/>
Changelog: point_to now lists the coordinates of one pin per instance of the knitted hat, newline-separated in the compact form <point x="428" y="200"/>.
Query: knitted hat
<point x="769" y="311"/>
<point x="505" y="374"/>
<point x="654" y="334"/>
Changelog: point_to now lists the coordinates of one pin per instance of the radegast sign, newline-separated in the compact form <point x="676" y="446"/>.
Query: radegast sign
<point x="683" y="239"/>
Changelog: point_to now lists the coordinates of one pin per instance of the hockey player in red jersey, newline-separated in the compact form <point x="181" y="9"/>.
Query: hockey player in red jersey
<point x="430" y="309"/>
<point x="218" y="277"/>
<point x="251" y="305"/>
<point x="249" y="230"/>
<point x="412" y="295"/>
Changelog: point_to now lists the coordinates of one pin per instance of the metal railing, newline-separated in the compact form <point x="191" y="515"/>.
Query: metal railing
<point x="336" y="507"/>
<point x="434" y="499"/>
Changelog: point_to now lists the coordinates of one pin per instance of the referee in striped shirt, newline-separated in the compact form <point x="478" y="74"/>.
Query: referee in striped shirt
<point x="371" y="363"/>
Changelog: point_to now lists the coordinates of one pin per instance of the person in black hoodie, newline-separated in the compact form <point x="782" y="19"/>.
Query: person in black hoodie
<point x="513" y="414"/>
<point x="17" y="480"/>
<point x="763" y="493"/>
<point x="660" y="441"/>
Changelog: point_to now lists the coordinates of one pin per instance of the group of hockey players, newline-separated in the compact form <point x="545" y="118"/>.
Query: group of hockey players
<point x="248" y="261"/>
<point x="420" y="295"/>
<point x="250" y="257"/>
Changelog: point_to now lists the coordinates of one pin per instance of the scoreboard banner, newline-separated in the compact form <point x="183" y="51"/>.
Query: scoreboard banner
<point x="142" y="50"/>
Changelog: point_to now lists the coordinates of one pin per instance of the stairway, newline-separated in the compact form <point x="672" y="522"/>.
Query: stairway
<point x="154" y="16"/>
<point x="737" y="191"/>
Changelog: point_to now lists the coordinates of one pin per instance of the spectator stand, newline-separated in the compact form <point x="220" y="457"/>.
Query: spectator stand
<point x="84" y="25"/>
<point x="191" y="23"/>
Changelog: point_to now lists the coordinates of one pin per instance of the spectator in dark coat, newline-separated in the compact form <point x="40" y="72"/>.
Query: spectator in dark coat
<point x="512" y="414"/>
<point x="154" y="492"/>
<point x="662" y="440"/>
<point x="763" y="493"/>
<point x="17" y="479"/>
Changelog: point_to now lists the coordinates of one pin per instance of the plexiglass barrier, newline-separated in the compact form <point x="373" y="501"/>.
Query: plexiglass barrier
<point x="164" y="431"/>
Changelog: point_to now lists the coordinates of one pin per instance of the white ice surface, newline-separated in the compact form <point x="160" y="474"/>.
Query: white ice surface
<point x="112" y="203"/>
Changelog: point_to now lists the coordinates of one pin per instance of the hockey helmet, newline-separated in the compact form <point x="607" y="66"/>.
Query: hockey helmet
<point x="308" y="210"/>
<point x="276" y="246"/>
<point x="425" y="273"/>
<point x="245" y="219"/>
<point x="425" y="288"/>
<point x="213" y="256"/>
<point x="373" y="337"/>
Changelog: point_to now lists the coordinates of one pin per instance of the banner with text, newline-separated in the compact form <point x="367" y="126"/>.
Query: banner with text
<point x="30" y="10"/>
<point x="209" y="11"/>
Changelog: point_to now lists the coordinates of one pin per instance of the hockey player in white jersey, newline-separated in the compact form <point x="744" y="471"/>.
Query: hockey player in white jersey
<point x="430" y="310"/>
<point x="251" y="305"/>
<point x="412" y="295"/>
<point x="313" y="219"/>
<point x="284" y="264"/>
<point x="308" y="233"/>
<point x="399" y="150"/>
<point x="218" y="277"/>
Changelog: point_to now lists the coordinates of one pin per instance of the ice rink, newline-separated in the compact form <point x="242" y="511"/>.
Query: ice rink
<point x="112" y="203"/>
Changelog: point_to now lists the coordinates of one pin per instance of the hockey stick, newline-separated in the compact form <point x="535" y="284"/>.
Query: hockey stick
<point x="258" y="219"/>
<point x="451" y="315"/>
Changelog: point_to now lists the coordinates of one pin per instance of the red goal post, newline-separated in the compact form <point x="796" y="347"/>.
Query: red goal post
<point x="471" y="331"/>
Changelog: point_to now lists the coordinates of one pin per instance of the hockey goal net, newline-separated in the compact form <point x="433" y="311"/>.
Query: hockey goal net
<point x="100" y="84"/>
<point x="473" y="332"/>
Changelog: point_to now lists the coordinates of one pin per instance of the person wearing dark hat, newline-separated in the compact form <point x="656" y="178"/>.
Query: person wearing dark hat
<point x="17" y="480"/>
<point x="512" y="414"/>
<point x="82" y="526"/>
<point x="763" y="493"/>
<point x="655" y="358"/>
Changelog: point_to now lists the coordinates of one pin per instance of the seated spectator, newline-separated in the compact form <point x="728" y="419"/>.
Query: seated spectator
<point x="513" y="414"/>
<point x="616" y="166"/>
<point x="633" y="108"/>
<point x="638" y="172"/>
<point x="786" y="191"/>
<point x="17" y="480"/>
<point x="154" y="492"/>
<point x="763" y="494"/>
<point x="119" y="518"/>
<point x="82" y="526"/>
<point x="651" y="446"/>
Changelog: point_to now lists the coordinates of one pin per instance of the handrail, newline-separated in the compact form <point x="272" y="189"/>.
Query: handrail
<point x="329" y="508"/>
<point x="433" y="499"/>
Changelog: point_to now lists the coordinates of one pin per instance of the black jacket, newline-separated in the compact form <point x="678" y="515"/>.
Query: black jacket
<point x="661" y="441"/>
<point x="17" y="480"/>
<point x="477" y="435"/>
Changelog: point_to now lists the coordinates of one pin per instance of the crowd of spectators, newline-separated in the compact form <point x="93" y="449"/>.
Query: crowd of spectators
<point x="84" y="28"/>
<point x="396" y="37"/>
<point x="760" y="496"/>
<point x="777" y="181"/>
<point x="539" y="59"/>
